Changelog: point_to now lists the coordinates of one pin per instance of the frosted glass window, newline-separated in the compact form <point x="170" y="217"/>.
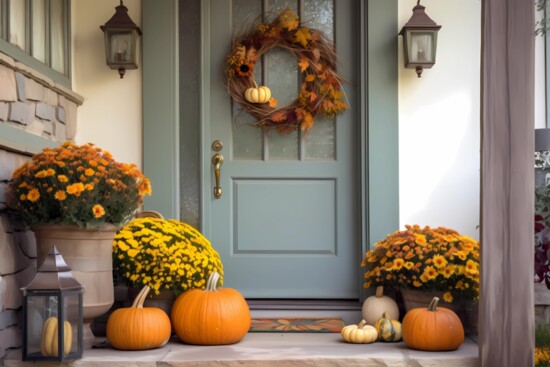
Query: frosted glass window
<point x="319" y="14"/>
<point x="283" y="147"/>
<point x="41" y="29"/>
<point x="274" y="7"/>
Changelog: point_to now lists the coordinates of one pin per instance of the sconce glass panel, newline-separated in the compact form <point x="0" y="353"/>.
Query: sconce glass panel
<point x="422" y="47"/>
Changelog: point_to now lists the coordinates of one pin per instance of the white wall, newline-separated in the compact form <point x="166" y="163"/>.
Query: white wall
<point x="439" y="122"/>
<point x="111" y="116"/>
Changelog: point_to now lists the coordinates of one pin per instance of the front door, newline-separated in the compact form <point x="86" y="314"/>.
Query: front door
<point x="286" y="222"/>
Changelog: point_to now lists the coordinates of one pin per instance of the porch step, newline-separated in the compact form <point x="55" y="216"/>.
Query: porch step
<point x="272" y="350"/>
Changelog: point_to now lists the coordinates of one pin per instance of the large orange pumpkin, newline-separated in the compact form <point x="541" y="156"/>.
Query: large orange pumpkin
<point x="432" y="328"/>
<point x="211" y="316"/>
<point x="138" y="327"/>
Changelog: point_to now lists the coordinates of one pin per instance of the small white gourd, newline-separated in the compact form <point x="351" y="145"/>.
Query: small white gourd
<point x="375" y="306"/>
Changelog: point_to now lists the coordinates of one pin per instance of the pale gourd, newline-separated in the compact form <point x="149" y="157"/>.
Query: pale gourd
<point x="359" y="334"/>
<point x="388" y="330"/>
<point x="375" y="306"/>
<point x="50" y="337"/>
<point x="261" y="94"/>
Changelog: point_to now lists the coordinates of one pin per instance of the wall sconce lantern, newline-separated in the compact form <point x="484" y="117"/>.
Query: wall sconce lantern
<point x="53" y="298"/>
<point x="121" y="41"/>
<point x="419" y="40"/>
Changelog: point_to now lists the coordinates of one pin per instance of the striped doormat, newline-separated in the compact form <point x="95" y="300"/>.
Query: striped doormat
<point x="297" y="325"/>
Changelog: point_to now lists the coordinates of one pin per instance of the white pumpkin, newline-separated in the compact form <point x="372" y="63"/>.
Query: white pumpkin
<point x="375" y="306"/>
<point x="261" y="94"/>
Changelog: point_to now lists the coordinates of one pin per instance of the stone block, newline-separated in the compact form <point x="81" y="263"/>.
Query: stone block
<point x="12" y="260"/>
<point x="5" y="223"/>
<point x="21" y="82"/>
<point x="8" y="318"/>
<point x="45" y="111"/>
<point x="60" y="132"/>
<point x="21" y="112"/>
<point x="26" y="242"/>
<point x="11" y="337"/>
<point x="13" y="298"/>
<point x="3" y="287"/>
<point x="36" y="127"/>
<point x="61" y="116"/>
<point x="8" y="92"/>
<point x="51" y="97"/>
<point x="4" y="111"/>
<point x="34" y="91"/>
<point x="48" y="127"/>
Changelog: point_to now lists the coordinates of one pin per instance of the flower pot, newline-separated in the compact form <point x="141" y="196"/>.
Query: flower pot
<point x="416" y="298"/>
<point x="88" y="252"/>
<point x="164" y="300"/>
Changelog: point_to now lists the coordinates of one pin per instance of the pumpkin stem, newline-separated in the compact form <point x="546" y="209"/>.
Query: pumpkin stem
<point x="433" y="304"/>
<point x="212" y="284"/>
<point x="385" y="315"/>
<point x="255" y="84"/>
<point x="379" y="291"/>
<point x="361" y="324"/>
<point x="140" y="298"/>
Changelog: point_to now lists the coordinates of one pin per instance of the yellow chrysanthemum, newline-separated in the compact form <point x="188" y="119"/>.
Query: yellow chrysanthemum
<point x="60" y="195"/>
<point x="448" y="297"/>
<point x="439" y="261"/>
<point x="98" y="211"/>
<point x="408" y="265"/>
<point x="431" y="272"/>
<point x="89" y="172"/>
<point x="33" y="195"/>
<point x="398" y="264"/>
<point x="62" y="178"/>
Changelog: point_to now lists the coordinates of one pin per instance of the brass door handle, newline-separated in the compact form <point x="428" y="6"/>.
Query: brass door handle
<point x="217" y="161"/>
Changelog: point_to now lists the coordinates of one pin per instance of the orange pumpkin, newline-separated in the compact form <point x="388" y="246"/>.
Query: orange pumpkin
<point x="138" y="328"/>
<point x="211" y="316"/>
<point x="432" y="328"/>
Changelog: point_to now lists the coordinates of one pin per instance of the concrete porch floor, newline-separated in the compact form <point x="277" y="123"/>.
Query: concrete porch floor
<point x="272" y="349"/>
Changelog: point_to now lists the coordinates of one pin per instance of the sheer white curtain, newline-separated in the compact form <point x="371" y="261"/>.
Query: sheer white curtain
<point x="507" y="183"/>
<point x="57" y="35"/>
<point x="39" y="30"/>
<point x="17" y="24"/>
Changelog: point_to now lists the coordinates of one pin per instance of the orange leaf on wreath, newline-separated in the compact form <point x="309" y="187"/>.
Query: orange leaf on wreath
<point x="289" y="20"/>
<point x="278" y="116"/>
<point x="251" y="54"/>
<point x="310" y="78"/>
<point x="302" y="36"/>
<point x="312" y="97"/>
<point x="307" y="121"/>
<point x="273" y="102"/>
<point x="303" y="64"/>
<point x="316" y="54"/>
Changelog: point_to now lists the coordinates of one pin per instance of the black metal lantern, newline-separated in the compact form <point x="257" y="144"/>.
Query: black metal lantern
<point x="52" y="310"/>
<point x="419" y="40"/>
<point x="121" y="41"/>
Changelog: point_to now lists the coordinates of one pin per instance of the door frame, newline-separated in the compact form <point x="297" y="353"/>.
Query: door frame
<point x="377" y="100"/>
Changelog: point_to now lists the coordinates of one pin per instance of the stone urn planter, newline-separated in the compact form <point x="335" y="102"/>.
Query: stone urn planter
<point x="88" y="252"/>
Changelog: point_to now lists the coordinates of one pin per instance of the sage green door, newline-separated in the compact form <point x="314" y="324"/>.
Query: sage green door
<point x="286" y="223"/>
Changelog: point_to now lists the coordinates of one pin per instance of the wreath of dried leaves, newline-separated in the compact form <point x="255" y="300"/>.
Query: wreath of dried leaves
<point x="320" y="90"/>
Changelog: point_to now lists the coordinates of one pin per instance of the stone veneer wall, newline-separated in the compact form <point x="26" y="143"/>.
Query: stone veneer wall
<point x="34" y="103"/>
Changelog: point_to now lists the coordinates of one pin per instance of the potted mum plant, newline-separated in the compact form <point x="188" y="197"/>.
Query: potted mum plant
<point x="167" y="255"/>
<point x="77" y="197"/>
<point x="428" y="260"/>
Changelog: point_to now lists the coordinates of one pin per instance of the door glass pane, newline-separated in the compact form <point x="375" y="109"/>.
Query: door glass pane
<point x="247" y="140"/>
<point x="282" y="147"/>
<point x="283" y="78"/>
<point x="57" y="28"/>
<point x="17" y="23"/>
<point x="39" y="30"/>
<point x="320" y="140"/>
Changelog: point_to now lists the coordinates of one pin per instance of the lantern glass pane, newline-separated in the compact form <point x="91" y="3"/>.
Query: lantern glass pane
<point x="72" y="315"/>
<point x="120" y="48"/>
<point x="421" y="47"/>
<point x="39" y="308"/>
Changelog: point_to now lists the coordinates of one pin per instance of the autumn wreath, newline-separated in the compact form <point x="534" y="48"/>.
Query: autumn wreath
<point x="320" y="90"/>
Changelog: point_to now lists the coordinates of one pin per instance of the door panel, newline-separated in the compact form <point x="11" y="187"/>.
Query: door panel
<point x="285" y="225"/>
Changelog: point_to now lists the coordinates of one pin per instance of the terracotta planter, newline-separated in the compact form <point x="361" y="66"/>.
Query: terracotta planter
<point x="88" y="252"/>
<point x="413" y="299"/>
